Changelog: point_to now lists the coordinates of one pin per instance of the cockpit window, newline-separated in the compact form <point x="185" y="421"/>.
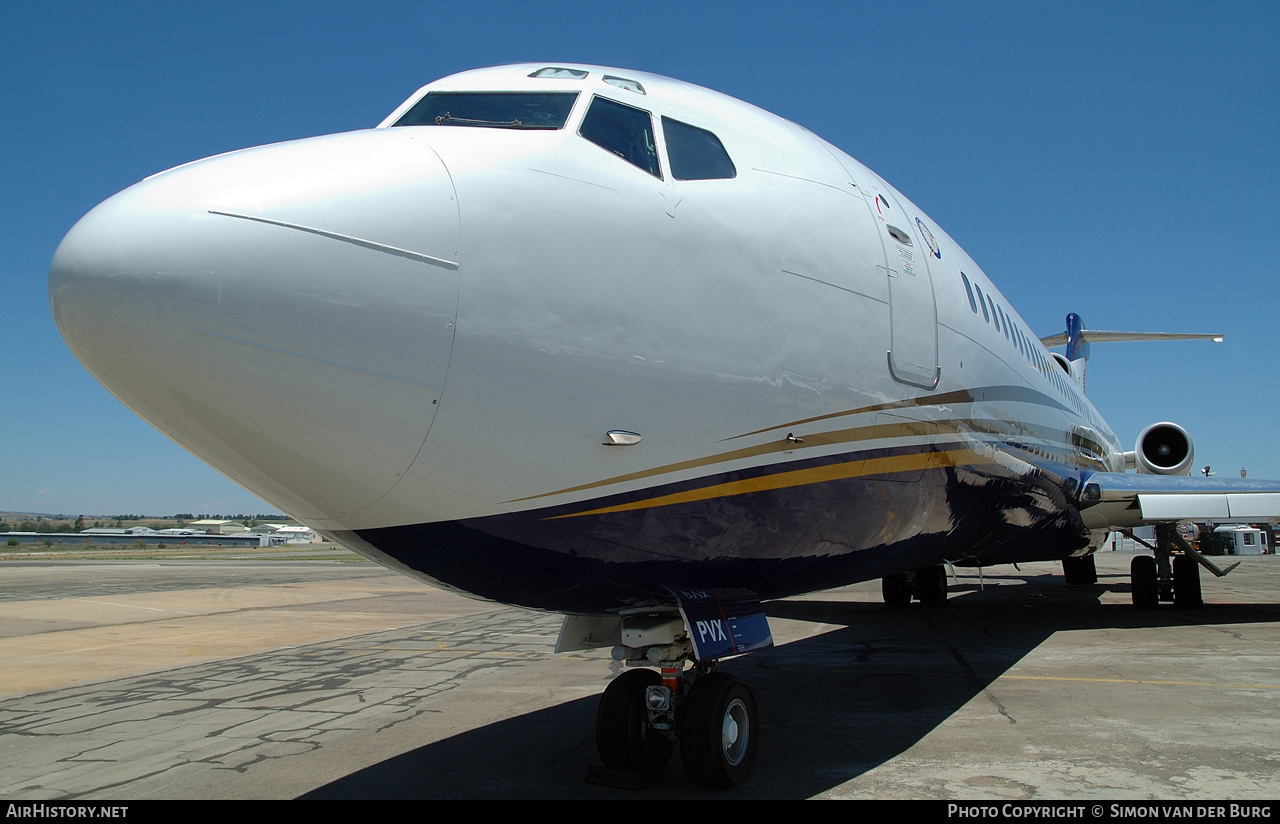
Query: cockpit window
<point x="623" y="130"/>
<point x="624" y="83"/>
<point x="557" y="73"/>
<point x="696" y="154"/>
<point x="494" y="110"/>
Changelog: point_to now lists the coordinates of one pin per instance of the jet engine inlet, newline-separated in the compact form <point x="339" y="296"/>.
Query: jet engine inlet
<point x="1164" y="449"/>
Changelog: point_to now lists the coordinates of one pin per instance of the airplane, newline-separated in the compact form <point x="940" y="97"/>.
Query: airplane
<point x="604" y="343"/>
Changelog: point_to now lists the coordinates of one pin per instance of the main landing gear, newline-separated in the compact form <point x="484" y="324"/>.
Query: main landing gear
<point x="643" y="714"/>
<point x="1166" y="576"/>
<point x="1080" y="571"/>
<point x="928" y="586"/>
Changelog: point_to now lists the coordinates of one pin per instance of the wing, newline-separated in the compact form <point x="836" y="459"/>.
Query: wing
<point x="1112" y="500"/>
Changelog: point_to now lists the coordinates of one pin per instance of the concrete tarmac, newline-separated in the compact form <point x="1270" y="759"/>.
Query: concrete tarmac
<point x="327" y="680"/>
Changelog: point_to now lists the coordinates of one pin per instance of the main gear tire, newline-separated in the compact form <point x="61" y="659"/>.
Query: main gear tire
<point x="1144" y="582"/>
<point x="931" y="585"/>
<point x="895" y="590"/>
<point x="1080" y="571"/>
<point x="1186" y="582"/>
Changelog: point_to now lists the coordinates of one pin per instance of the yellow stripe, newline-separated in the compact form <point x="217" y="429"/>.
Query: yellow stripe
<point x="1143" y="681"/>
<point x="800" y="477"/>
<point x="862" y="433"/>
<point x="907" y="428"/>
<point x="961" y="396"/>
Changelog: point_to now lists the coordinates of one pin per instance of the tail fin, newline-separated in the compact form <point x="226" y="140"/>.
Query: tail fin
<point x="1077" y="339"/>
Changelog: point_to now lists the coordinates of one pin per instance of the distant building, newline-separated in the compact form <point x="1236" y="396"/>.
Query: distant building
<point x="217" y="527"/>
<point x="106" y="537"/>
<point x="1123" y="543"/>
<point x="287" y="533"/>
<point x="297" y="534"/>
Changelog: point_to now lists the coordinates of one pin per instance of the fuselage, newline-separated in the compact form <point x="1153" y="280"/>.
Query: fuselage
<point x="417" y="339"/>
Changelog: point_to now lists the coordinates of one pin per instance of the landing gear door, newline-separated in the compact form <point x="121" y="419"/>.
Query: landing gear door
<point x="723" y="622"/>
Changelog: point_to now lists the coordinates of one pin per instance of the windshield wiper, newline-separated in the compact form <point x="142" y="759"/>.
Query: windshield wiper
<point x="464" y="121"/>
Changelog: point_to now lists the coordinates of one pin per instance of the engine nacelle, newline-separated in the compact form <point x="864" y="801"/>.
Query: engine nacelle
<point x="1162" y="449"/>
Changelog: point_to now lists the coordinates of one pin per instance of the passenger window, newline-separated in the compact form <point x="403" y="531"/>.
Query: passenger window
<point x="972" y="304"/>
<point x="623" y="130"/>
<point x="696" y="154"/>
<point x="982" y="303"/>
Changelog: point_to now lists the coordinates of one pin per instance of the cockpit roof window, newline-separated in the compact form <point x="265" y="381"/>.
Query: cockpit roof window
<point x="558" y="73"/>
<point x="696" y="154"/>
<point x="624" y="83"/>
<point x="623" y="130"/>
<point x="494" y="110"/>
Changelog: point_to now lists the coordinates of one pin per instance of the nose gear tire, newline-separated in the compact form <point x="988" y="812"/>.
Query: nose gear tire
<point x="719" y="731"/>
<point x="624" y="738"/>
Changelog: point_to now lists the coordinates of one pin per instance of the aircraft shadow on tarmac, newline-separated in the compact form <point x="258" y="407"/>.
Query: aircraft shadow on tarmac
<point x="833" y="706"/>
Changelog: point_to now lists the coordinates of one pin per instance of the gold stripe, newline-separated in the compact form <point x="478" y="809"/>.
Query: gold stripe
<point x="861" y="433"/>
<point x="1143" y="681"/>
<point x="906" y="428"/>
<point x="959" y="396"/>
<point x="800" y="477"/>
<point x="841" y="436"/>
<point x="821" y="439"/>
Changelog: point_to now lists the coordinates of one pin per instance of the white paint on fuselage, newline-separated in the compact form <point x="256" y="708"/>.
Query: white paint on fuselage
<point x="589" y="296"/>
<point x="595" y="302"/>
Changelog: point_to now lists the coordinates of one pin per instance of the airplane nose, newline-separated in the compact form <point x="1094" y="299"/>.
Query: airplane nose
<point x="285" y="313"/>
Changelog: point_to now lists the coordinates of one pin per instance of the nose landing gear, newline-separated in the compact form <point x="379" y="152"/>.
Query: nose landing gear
<point x="712" y="714"/>
<point x="643" y="715"/>
<point x="625" y="738"/>
<point x="719" y="731"/>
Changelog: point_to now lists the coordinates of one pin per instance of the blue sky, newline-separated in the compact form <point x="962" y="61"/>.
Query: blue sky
<point x="1113" y="159"/>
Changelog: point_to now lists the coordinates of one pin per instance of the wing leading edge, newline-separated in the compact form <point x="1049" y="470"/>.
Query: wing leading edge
<point x="1113" y="500"/>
